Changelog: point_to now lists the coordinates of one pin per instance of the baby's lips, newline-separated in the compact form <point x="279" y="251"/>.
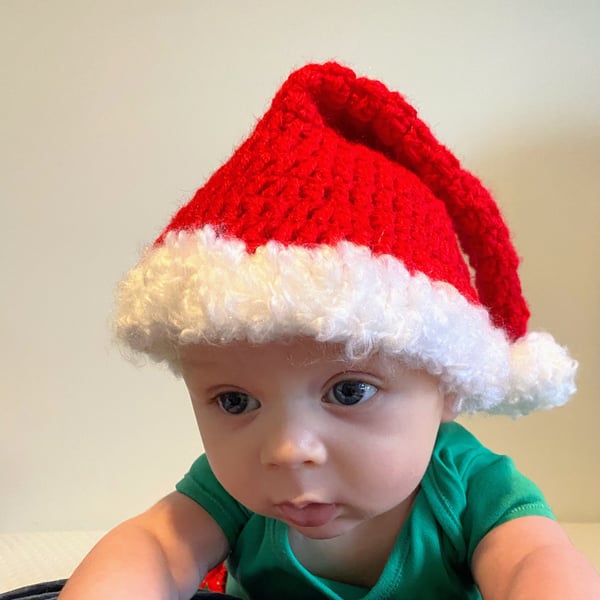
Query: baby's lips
<point x="312" y="514"/>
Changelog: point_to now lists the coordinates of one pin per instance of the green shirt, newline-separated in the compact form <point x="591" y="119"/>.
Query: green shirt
<point x="467" y="490"/>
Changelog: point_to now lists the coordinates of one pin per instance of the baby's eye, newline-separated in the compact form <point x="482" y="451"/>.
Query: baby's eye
<point x="348" y="393"/>
<point x="236" y="403"/>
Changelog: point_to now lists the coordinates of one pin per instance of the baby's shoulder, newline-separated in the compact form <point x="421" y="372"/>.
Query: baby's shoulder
<point x="457" y="451"/>
<point x="469" y="490"/>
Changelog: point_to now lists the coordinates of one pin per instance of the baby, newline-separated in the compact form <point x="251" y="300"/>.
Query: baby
<point x="315" y="298"/>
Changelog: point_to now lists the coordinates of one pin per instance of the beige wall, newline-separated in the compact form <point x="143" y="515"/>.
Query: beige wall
<point x="112" y="112"/>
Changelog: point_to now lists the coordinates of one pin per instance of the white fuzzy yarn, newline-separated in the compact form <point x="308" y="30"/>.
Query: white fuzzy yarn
<point x="542" y="374"/>
<point x="202" y="288"/>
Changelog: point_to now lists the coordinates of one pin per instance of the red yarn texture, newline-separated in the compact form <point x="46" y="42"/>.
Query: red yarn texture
<point x="215" y="579"/>
<point x="338" y="157"/>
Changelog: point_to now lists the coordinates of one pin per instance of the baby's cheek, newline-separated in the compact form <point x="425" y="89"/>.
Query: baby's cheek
<point x="232" y="472"/>
<point x="397" y="470"/>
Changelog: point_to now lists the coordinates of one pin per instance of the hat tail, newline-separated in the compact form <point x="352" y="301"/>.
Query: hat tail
<point x="389" y="123"/>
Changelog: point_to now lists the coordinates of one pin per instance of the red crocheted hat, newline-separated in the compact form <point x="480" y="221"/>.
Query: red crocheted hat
<point x="341" y="217"/>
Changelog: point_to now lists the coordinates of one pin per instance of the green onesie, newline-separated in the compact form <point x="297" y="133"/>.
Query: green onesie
<point x="467" y="490"/>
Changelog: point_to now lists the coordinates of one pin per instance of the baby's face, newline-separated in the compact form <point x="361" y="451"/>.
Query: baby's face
<point x="297" y="432"/>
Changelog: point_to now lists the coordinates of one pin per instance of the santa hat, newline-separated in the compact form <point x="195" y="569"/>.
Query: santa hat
<point x="342" y="218"/>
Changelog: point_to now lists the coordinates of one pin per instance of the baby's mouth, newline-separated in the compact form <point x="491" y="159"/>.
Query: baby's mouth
<point x="310" y="514"/>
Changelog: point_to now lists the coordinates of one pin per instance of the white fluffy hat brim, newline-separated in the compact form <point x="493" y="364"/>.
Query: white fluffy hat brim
<point x="199" y="287"/>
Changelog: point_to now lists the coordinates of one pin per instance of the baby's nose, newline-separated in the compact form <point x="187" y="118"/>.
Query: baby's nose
<point x="292" y="446"/>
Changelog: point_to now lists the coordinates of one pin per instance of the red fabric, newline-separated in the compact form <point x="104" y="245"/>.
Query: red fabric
<point x="215" y="579"/>
<point x="338" y="157"/>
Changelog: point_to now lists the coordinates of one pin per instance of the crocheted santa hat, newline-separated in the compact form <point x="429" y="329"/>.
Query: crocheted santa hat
<point x="342" y="218"/>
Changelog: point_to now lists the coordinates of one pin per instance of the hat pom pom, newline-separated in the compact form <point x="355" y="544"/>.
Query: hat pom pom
<point x="542" y="375"/>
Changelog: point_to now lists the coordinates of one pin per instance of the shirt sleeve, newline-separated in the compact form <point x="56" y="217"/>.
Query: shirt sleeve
<point x="201" y="485"/>
<point x="479" y="490"/>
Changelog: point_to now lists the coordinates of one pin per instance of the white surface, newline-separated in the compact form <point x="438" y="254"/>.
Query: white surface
<point x="27" y="558"/>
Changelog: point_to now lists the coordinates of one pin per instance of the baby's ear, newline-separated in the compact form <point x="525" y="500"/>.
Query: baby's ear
<point x="449" y="412"/>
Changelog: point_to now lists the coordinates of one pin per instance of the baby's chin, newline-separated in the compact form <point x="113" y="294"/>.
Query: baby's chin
<point x="332" y="530"/>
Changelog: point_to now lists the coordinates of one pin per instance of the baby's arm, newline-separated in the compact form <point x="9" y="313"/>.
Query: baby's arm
<point x="529" y="558"/>
<point x="163" y="554"/>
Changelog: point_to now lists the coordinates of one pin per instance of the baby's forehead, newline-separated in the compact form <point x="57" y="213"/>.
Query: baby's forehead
<point x="297" y="352"/>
